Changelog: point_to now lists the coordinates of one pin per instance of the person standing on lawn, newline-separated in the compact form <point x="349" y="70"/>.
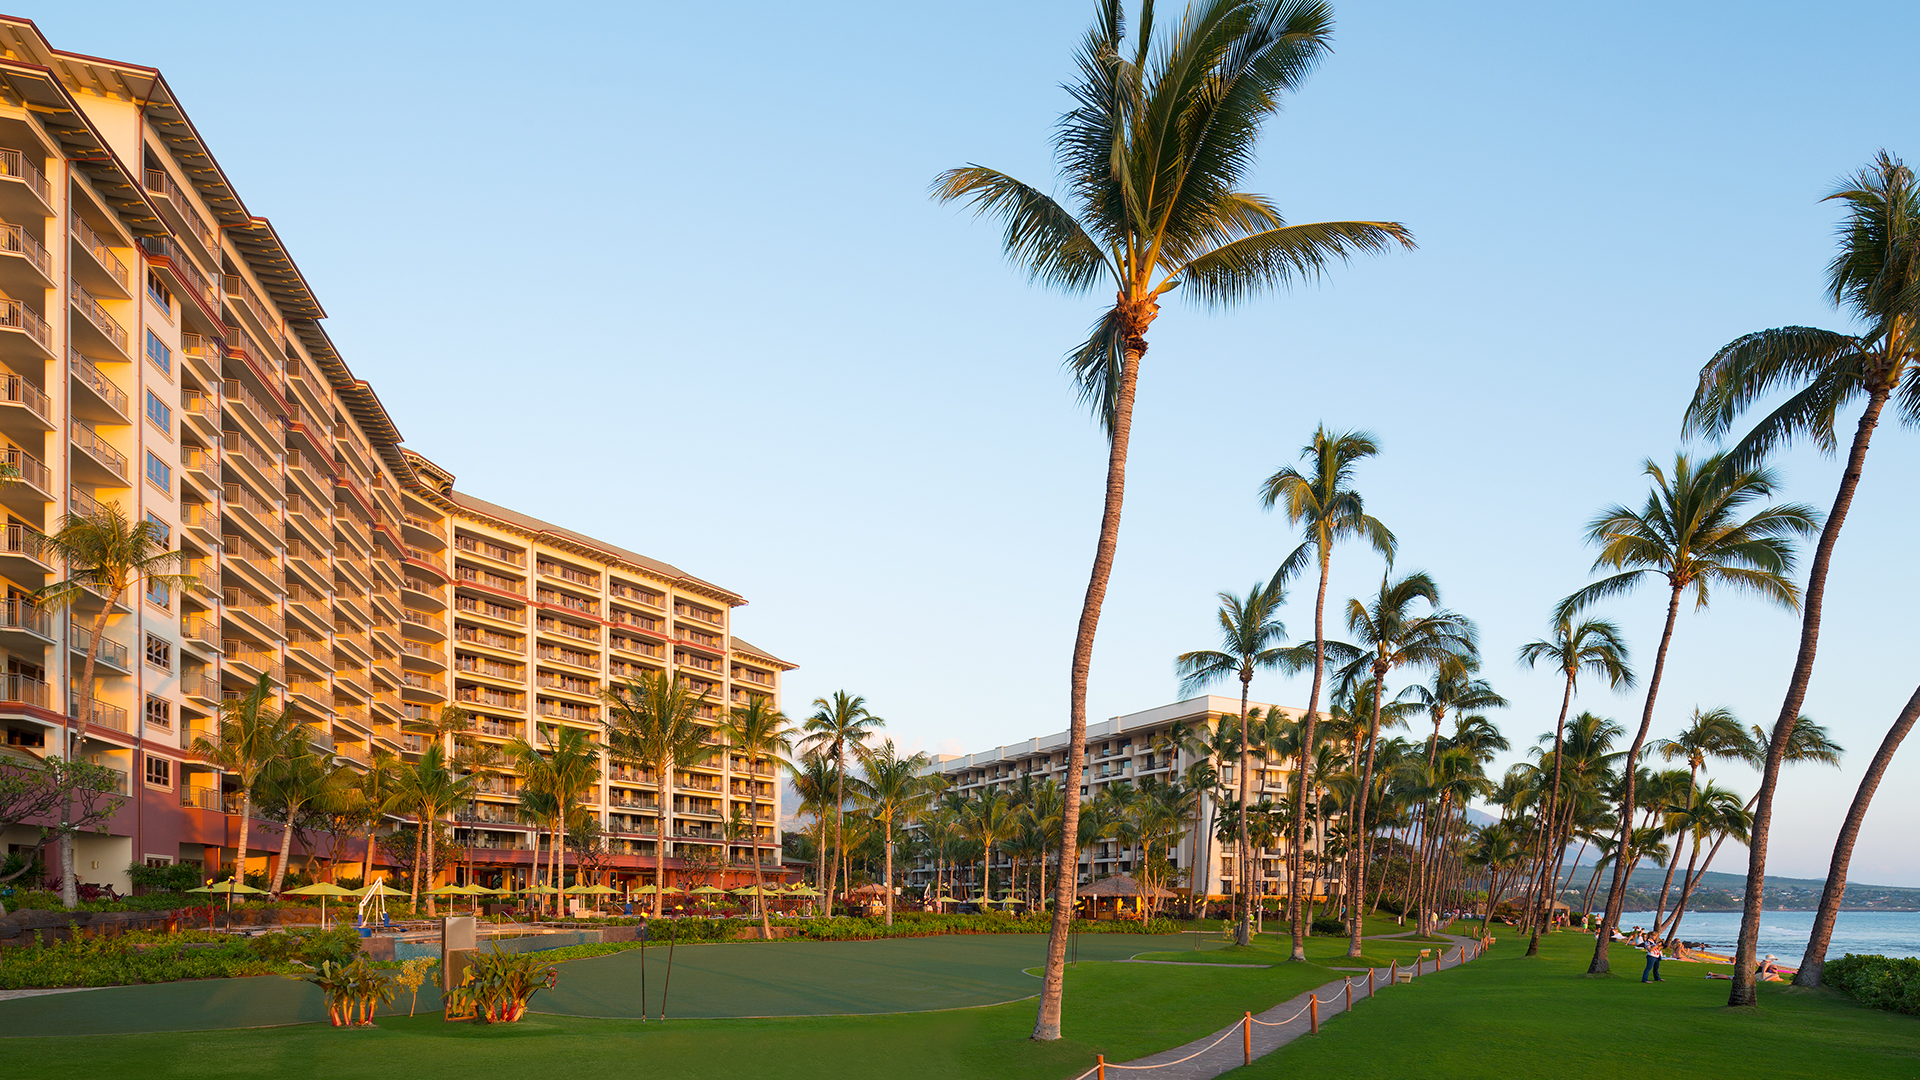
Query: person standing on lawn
<point x="1654" y="956"/>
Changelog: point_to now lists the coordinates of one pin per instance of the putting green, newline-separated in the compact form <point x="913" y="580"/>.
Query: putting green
<point x="745" y="979"/>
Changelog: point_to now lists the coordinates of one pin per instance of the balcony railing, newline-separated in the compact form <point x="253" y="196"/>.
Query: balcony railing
<point x="568" y="573"/>
<point x="84" y="370"/>
<point x="491" y="551"/>
<point x="18" y="241"/>
<point x="90" y="308"/>
<point x="426" y="588"/>
<point x="86" y="438"/>
<point x="164" y="247"/>
<point x="687" y="611"/>
<point x="241" y="494"/>
<point x="563" y="711"/>
<point x="202" y="628"/>
<point x="15" y="164"/>
<point x="97" y="247"/>
<point x="421" y="618"/>
<point x="238" y="289"/>
<point x="111" y="651"/>
<point x="490" y="610"/>
<point x="23" y="615"/>
<point x="25" y="689"/>
<point x="481" y="636"/>
<point x="492" y="581"/>
<point x="416" y="681"/>
<point x="567" y="629"/>
<point x="491" y="668"/>
<point x="431" y="558"/>
<point x="18" y="391"/>
<point x="15" y="315"/>
<point x="160" y="182"/>
<point x="498" y="699"/>
<point x="105" y="715"/>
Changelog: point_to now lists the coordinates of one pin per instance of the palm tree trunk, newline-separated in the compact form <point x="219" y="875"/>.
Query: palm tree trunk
<point x="759" y="895"/>
<point x="1660" y="926"/>
<point x="1243" y="855"/>
<point x="1617" y="894"/>
<point x="69" y="856"/>
<point x="839" y="820"/>
<point x="286" y="852"/>
<point x="1815" y="961"/>
<point x="1298" y="911"/>
<point x="426" y="863"/>
<point x="366" y="858"/>
<point x="1743" y="991"/>
<point x="666" y="830"/>
<point x="1046" y="1025"/>
<point x="1359" y="830"/>
<point x="1673" y="859"/>
<point x="1553" y="795"/>
<point x="240" y="854"/>
<point x="888" y="825"/>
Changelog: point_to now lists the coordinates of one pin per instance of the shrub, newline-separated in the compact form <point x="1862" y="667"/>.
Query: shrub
<point x="171" y="878"/>
<point x="498" y="985"/>
<point x="132" y="958"/>
<point x="352" y="991"/>
<point x="1891" y="983"/>
<point x="1327" y="925"/>
<point x="310" y="947"/>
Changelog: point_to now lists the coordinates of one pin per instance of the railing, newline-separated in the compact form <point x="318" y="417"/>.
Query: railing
<point x="105" y="715"/>
<point x="160" y="182"/>
<point x="415" y="681"/>
<point x="752" y="676"/>
<point x="86" y="372"/>
<point x="15" y="164"/>
<point x="567" y="600"/>
<point x="421" y="618"/>
<point x="23" y="615"/>
<point x="638" y="596"/>
<point x="492" y="668"/>
<point x="97" y="247"/>
<point x="35" y="472"/>
<point x="24" y="540"/>
<point x="491" y="610"/>
<point x="97" y="315"/>
<point x="235" y="441"/>
<point x="196" y="403"/>
<point x="209" y="799"/>
<point x="688" y="611"/>
<point x="240" y="493"/>
<point x="86" y="438"/>
<point x="480" y="695"/>
<point x="564" y="711"/>
<point x="481" y="636"/>
<point x="634" y="645"/>
<point x="700" y="662"/>
<point x="491" y="551"/>
<point x="203" y="347"/>
<point x="414" y="584"/>
<point x="237" y="653"/>
<point x="238" y="391"/>
<point x="566" y="629"/>
<point x="431" y="558"/>
<point x="25" y="689"/>
<point x="238" y="288"/>
<point x="568" y="573"/>
<point x="110" y="651"/>
<point x="491" y="581"/>
<point x="17" y="240"/>
<point x="200" y="685"/>
<point x="200" y="627"/>
<point x="567" y="656"/>
<point x="164" y="247"/>
<point x="497" y="729"/>
<point x="15" y="315"/>
<point x="566" y="683"/>
<point x="18" y="391"/>
<point x="424" y="652"/>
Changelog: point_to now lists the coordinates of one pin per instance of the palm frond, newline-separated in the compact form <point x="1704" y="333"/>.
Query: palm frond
<point x="1281" y="257"/>
<point x="1041" y="237"/>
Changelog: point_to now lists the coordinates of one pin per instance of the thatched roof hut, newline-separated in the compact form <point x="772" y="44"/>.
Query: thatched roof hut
<point x="1122" y="885"/>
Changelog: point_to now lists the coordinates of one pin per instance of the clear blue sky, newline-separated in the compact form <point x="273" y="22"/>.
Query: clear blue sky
<point x="695" y="250"/>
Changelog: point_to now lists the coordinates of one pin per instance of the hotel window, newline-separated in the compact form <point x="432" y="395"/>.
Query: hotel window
<point x="159" y="414"/>
<point x="158" y="290"/>
<point x="159" y="593"/>
<point x="158" y="352"/>
<point x="159" y="712"/>
<point x="161" y="530"/>
<point x="159" y="772"/>
<point x="160" y="652"/>
<point x="159" y="473"/>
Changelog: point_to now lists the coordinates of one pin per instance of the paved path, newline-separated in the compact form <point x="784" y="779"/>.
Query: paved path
<point x="1224" y="1050"/>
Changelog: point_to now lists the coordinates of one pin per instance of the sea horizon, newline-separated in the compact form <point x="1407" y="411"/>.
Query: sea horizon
<point x="1784" y="933"/>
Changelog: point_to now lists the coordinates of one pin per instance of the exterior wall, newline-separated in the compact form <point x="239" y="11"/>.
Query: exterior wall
<point x="1127" y="749"/>
<point x="159" y="351"/>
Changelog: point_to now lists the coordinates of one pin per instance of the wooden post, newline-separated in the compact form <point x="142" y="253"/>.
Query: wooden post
<point x="1393" y="972"/>
<point x="1313" y="1013"/>
<point x="1100" y="1064"/>
<point x="1349" y="993"/>
<point x="1246" y="1036"/>
<point x="1369" y="982"/>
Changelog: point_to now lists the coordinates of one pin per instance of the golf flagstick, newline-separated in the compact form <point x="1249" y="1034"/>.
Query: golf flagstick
<point x="644" y="929"/>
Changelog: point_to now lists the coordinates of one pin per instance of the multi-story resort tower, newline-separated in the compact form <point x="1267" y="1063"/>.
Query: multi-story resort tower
<point x="1127" y="750"/>
<point x="162" y="352"/>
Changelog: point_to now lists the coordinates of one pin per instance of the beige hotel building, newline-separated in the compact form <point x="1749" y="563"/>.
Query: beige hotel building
<point x="160" y="349"/>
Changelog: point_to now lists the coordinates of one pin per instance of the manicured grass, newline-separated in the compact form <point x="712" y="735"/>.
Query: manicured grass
<point x="1276" y="947"/>
<point x="1520" y="1018"/>
<point x="1122" y="1010"/>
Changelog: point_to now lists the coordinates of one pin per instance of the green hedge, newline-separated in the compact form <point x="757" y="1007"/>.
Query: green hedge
<point x="906" y="924"/>
<point x="146" y="957"/>
<point x="1882" y="982"/>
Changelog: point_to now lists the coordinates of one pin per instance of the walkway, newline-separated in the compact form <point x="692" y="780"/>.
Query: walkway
<point x="1225" y="1050"/>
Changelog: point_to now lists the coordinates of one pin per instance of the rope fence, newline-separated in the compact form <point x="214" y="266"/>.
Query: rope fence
<point x="1473" y="949"/>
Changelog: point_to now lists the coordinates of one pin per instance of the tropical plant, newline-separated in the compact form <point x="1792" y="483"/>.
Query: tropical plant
<point x="839" y="725"/>
<point x="1710" y="733"/>
<point x="413" y="975"/>
<point x="251" y="734"/>
<point x="554" y="780"/>
<point x="1875" y="277"/>
<point x="376" y="795"/>
<point x="991" y="818"/>
<point x="759" y="731"/>
<point x="1250" y="637"/>
<point x="1691" y="532"/>
<point x="498" y="985"/>
<point x="107" y="558"/>
<point x="895" y="791"/>
<point x="428" y="789"/>
<point x="300" y="779"/>
<point x="352" y="990"/>
<point x="654" y="723"/>
<point x="1154" y="149"/>
<point x="1323" y="502"/>
<point x="48" y="792"/>
<point x="1452" y="690"/>
<point x="815" y="780"/>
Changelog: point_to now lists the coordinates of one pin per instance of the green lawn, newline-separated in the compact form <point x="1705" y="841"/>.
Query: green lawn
<point x="1521" y="1018"/>
<point x="1276" y="947"/>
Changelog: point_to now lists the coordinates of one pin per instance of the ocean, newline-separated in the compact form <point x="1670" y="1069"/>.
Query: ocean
<point x="1784" y="933"/>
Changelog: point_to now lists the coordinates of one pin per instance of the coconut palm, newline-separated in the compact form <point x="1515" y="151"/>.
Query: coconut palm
<point x="429" y="789"/>
<point x="1815" y="961"/>
<point x="1392" y="635"/>
<point x="1691" y="532"/>
<point x="1250" y="637"/>
<point x="654" y="723"/>
<point x="1323" y="502"/>
<point x="1710" y="811"/>
<point x="1591" y="646"/>
<point x="895" y="791"/>
<point x="1711" y="733"/>
<point x="990" y="818"/>
<point x="1875" y="277"/>
<point x="377" y="795"/>
<point x="815" y="780"/>
<point x="107" y="558"/>
<point x="1160" y="136"/>
<point x="759" y="731"/>
<point x="252" y="734"/>
<point x="839" y="725"/>
<point x="1452" y="689"/>
<point x="300" y="779"/>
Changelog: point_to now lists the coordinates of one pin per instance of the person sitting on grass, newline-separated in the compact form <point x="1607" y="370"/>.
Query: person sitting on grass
<point x="1654" y="956"/>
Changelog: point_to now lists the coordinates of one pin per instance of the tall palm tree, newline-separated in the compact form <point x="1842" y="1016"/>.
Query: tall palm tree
<point x="1875" y="277"/>
<point x="301" y="778"/>
<point x="895" y="791"/>
<point x="429" y="790"/>
<point x="1160" y="136"/>
<point x="1814" y="963"/>
<point x="1712" y="811"/>
<point x="839" y="725"/>
<point x="815" y="781"/>
<point x="1323" y="502"/>
<point x="1591" y="646"/>
<point x="1250" y="637"/>
<point x="1690" y="532"/>
<point x="1452" y="689"/>
<point x="109" y="557"/>
<point x="1710" y="733"/>
<point x="559" y="776"/>
<point x="1391" y="636"/>
<point x="252" y="733"/>
<point x="378" y="795"/>
<point x="991" y="818"/>
<point x="759" y="731"/>
<point x="654" y="723"/>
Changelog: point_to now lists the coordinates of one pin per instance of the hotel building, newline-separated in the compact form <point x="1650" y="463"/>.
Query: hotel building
<point x="159" y="349"/>
<point x="1129" y="749"/>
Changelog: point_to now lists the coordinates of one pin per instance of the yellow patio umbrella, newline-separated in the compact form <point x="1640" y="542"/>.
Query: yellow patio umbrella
<point x="321" y="889"/>
<point x="384" y="890"/>
<point x="228" y="887"/>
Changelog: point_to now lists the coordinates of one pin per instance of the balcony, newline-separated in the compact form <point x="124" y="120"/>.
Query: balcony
<point x="415" y="686"/>
<point x="100" y="464"/>
<point x="489" y="669"/>
<point x="24" y="263"/>
<point x="105" y="327"/>
<point x="112" y="654"/>
<point x="104" y="715"/>
<point x="567" y="629"/>
<point x="251" y="663"/>
<point x="423" y="624"/>
<point x="160" y="183"/>
<point x="490" y="698"/>
<point x="23" y="556"/>
<point x="419" y="530"/>
<point x="23" y="322"/>
<point x="200" y="629"/>
<point x="491" y="551"/>
<point x="240" y="295"/>
<point x="424" y="590"/>
<point x="487" y="609"/>
<point x="101" y="265"/>
<point x="568" y="600"/>
<point x="687" y="611"/>
<point x="24" y="690"/>
<point x="200" y="798"/>
<point x="200" y="686"/>
<point x="26" y="413"/>
<point x="105" y="400"/>
<point x="22" y="622"/>
<point x="431" y="558"/>
<point x="481" y="636"/>
<point x="24" y="190"/>
<point x="568" y="573"/>
<point x="164" y="253"/>
<point x="561" y="710"/>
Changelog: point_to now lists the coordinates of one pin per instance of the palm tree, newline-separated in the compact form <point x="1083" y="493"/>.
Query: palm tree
<point x="759" y="731"/>
<point x="1711" y="811"/>
<point x="838" y="725"/>
<point x="1590" y="646"/>
<point x="1453" y="689"/>
<point x="1690" y="531"/>
<point x="1711" y="733"/>
<point x="895" y="791"/>
<point x="654" y="724"/>
<point x="378" y="795"/>
<point x="1392" y="637"/>
<point x="1250" y="637"/>
<point x="1324" y="503"/>
<point x="991" y="818"/>
<point x="1875" y="277"/>
<point x="298" y="779"/>
<point x="1154" y="151"/>
<point x="428" y="789"/>
<point x="556" y="778"/>
<point x="252" y="735"/>
<point x="108" y="557"/>
<point x="814" y="781"/>
<point x="1815" y="961"/>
